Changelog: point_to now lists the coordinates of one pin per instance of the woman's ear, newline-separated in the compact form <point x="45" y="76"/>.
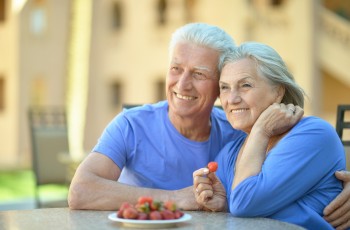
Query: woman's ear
<point x="280" y="93"/>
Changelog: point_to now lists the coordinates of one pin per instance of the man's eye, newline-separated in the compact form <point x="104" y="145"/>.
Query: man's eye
<point x="199" y="76"/>
<point x="175" y="69"/>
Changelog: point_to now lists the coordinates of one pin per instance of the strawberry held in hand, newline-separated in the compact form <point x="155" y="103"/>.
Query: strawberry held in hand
<point x="212" y="166"/>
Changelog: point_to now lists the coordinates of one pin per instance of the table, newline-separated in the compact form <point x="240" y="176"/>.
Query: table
<point x="64" y="218"/>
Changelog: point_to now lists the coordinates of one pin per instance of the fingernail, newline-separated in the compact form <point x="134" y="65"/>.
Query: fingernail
<point x="205" y="170"/>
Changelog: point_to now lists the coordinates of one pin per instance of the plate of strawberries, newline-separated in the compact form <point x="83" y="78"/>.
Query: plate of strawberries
<point x="149" y="213"/>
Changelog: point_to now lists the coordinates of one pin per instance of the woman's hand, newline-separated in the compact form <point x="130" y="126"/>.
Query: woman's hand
<point x="337" y="213"/>
<point x="210" y="194"/>
<point x="278" y="119"/>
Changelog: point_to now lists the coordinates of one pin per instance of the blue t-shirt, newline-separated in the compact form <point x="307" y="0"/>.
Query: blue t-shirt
<point x="152" y="153"/>
<point x="297" y="178"/>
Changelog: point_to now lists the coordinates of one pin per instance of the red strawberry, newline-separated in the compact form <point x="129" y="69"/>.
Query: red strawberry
<point x="130" y="213"/>
<point x="155" y="215"/>
<point x="145" y="199"/>
<point x="142" y="216"/>
<point x="123" y="206"/>
<point x="170" y="205"/>
<point x="120" y="213"/>
<point x="167" y="214"/>
<point x="143" y="207"/>
<point x="156" y="205"/>
<point x="178" y="214"/>
<point x="212" y="166"/>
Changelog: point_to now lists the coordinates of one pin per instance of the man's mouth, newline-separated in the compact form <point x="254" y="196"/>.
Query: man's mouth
<point x="188" y="98"/>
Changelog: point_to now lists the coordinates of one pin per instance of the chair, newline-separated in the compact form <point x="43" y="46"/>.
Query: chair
<point x="49" y="137"/>
<point x="341" y="125"/>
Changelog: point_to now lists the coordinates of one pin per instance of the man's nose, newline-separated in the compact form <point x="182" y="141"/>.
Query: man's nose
<point x="185" y="80"/>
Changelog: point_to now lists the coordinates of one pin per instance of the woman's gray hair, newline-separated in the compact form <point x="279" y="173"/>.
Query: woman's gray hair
<point x="204" y="35"/>
<point x="270" y="65"/>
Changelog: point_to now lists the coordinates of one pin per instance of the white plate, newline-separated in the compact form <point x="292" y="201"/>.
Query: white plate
<point x="149" y="223"/>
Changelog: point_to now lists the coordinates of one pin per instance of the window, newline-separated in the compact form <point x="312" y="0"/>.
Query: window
<point x="116" y="15"/>
<point x="116" y="94"/>
<point x="2" y="10"/>
<point x="161" y="91"/>
<point x="2" y="93"/>
<point x="38" y="17"/>
<point x="162" y="6"/>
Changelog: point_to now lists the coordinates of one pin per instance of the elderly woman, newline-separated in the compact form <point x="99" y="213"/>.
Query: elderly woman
<point x="289" y="177"/>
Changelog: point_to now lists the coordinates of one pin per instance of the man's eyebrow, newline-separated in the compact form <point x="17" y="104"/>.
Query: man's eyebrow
<point x="203" y="68"/>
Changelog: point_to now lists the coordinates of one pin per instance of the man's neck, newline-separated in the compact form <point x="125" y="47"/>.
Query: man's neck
<point x="194" y="128"/>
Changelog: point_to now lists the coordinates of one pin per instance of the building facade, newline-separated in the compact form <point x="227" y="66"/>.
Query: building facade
<point x="127" y="55"/>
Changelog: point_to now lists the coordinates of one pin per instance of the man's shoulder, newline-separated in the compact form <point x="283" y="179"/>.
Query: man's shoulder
<point x="145" y="108"/>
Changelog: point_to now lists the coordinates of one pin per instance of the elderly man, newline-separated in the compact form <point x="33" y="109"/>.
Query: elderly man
<point x="153" y="150"/>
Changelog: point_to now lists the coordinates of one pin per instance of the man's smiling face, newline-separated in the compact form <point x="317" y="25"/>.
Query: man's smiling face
<point x="192" y="80"/>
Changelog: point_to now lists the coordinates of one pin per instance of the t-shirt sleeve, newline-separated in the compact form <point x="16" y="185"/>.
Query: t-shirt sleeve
<point x="112" y="142"/>
<point x="304" y="159"/>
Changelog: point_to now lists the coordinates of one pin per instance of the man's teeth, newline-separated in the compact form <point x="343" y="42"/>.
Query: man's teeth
<point x="184" y="97"/>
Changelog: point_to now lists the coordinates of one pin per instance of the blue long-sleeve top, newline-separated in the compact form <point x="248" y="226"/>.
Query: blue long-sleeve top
<point x="297" y="178"/>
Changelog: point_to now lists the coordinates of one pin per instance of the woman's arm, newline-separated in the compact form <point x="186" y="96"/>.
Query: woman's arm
<point x="300" y="163"/>
<point x="275" y="120"/>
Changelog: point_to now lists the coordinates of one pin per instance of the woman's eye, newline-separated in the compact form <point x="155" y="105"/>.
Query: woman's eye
<point x="223" y="88"/>
<point x="245" y="85"/>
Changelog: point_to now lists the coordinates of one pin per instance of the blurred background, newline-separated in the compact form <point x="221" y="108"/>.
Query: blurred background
<point x="90" y="57"/>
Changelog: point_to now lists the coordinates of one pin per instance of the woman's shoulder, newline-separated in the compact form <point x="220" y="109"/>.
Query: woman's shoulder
<point x="314" y="122"/>
<point x="319" y="129"/>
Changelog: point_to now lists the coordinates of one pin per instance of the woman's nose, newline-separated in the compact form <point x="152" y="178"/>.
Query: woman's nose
<point x="234" y="97"/>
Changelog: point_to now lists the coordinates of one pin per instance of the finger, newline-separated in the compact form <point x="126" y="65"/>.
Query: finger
<point x="199" y="179"/>
<point x="203" y="187"/>
<point x="341" y="221"/>
<point x="291" y="108"/>
<point x="340" y="215"/>
<point x="343" y="175"/>
<point x="336" y="207"/>
<point x="343" y="226"/>
<point x="213" y="178"/>
<point x="283" y="106"/>
<point x="204" y="196"/>
<point x="201" y="172"/>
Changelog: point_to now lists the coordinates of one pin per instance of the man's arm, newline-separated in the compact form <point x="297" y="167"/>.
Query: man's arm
<point x="337" y="213"/>
<point x="94" y="186"/>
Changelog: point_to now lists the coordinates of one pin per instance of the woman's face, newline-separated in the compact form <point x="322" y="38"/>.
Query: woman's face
<point x="245" y="93"/>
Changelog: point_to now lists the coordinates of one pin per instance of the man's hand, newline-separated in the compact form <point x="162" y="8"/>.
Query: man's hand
<point x="210" y="194"/>
<point x="337" y="213"/>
